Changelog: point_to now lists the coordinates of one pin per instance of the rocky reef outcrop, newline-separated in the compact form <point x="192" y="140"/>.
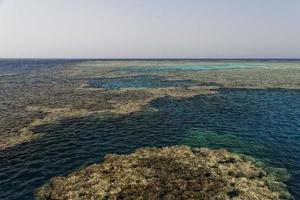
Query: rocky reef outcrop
<point x="177" y="172"/>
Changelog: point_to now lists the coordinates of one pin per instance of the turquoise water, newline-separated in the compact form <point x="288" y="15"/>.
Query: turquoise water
<point x="216" y="67"/>
<point x="203" y="65"/>
<point x="264" y="124"/>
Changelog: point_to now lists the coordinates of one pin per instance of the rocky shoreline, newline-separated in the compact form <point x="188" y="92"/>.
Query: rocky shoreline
<point x="177" y="172"/>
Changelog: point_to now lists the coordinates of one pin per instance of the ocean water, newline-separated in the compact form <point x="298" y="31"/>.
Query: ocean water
<point x="25" y="66"/>
<point x="260" y="123"/>
<point x="264" y="124"/>
<point x="140" y="81"/>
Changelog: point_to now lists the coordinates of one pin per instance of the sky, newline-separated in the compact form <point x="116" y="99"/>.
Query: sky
<point x="149" y="28"/>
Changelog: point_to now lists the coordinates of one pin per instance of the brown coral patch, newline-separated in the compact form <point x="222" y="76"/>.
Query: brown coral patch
<point x="177" y="172"/>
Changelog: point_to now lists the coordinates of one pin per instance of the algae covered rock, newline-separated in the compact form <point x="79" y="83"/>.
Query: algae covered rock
<point x="178" y="172"/>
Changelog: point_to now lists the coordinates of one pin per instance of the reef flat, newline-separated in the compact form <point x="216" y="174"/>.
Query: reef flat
<point x="167" y="173"/>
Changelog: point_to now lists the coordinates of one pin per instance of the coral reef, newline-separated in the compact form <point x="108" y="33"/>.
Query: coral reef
<point x="64" y="89"/>
<point x="11" y="140"/>
<point x="256" y="78"/>
<point x="178" y="172"/>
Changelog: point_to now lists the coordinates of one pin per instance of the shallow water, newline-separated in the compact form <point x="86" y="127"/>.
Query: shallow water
<point x="213" y="65"/>
<point x="203" y="67"/>
<point x="264" y="124"/>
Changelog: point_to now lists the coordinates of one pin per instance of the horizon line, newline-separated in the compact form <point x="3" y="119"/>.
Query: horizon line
<point x="87" y="58"/>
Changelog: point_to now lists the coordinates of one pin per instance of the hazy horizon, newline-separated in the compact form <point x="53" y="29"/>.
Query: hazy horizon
<point x="157" y="29"/>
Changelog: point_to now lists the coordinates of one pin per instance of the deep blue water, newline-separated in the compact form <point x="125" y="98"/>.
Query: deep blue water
<point x="264" y="124"/>
<point x="23" y="66"/>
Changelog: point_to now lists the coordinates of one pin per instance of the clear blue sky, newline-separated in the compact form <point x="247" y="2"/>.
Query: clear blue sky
<point x="150" y="28"/>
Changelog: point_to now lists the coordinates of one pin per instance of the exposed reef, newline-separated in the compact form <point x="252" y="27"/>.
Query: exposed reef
<point x="178" y="172"/>
<point x="11" y="140"/>
<point x="255" y="78"/>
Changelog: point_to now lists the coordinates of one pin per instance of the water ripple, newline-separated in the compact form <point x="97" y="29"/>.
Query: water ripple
<point x="264" y="124"/>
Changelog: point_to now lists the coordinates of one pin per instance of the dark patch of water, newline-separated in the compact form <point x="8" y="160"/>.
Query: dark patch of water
<point x="260" y="123"/>
<point x="141" y="81"/>
<point x="22" y="66"/>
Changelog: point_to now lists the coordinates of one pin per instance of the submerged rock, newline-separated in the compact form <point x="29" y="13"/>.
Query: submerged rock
<point x="178" y="172"/>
